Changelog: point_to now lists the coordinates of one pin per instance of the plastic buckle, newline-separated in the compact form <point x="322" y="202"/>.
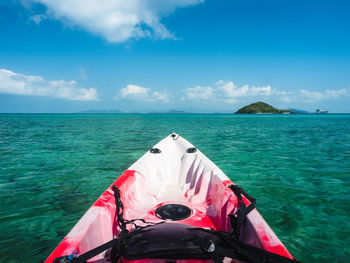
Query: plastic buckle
<point x="210" y="246"/>
<point x="74" y="254"/>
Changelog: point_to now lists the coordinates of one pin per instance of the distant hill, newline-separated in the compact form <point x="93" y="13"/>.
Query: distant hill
<point x="297" y="111"/>
<point x="260" y="107"/>
<point x="101" y="111"/>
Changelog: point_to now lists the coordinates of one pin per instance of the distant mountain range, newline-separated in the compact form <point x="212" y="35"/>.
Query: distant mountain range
<point x="93" y="111"/>
<point x="101" y="111"/>
<point x="258" y="107"/>
<point x="170" y="112"/>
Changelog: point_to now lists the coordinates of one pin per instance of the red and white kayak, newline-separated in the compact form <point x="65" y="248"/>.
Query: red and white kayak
<point x="172" y="175"/>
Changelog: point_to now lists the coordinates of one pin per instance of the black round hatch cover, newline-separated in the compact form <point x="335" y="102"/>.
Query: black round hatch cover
<point x="173" y="212"/>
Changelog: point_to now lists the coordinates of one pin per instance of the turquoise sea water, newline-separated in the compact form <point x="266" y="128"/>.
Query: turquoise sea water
<point x="53" y="167"/>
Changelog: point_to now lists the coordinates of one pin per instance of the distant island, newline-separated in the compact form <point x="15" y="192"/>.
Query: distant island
<point x="261" y="107"/>
<point x="101" y="111"/>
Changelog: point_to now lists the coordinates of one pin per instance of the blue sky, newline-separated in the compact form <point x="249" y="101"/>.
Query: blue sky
<point x="158" y="55"/>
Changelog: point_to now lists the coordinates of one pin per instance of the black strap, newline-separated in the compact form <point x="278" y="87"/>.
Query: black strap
<point x="239" y="190"/>
<point x="238" y="218"/>
<point x="94" y="252"/>
<point x="119" y="210"/>
<point x="232" y="248"/>
<point x="115" y="243"/>
<point x="217" y="251"/>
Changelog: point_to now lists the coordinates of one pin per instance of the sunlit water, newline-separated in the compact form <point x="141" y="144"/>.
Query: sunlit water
<point x="53" y="167"/>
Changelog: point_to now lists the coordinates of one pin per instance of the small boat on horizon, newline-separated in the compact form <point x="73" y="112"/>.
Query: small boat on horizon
<point x="319" y="111"/>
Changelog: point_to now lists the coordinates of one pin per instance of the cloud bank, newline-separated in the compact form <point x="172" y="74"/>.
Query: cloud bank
<point x="20" y="84"/>
<point x="229" y="92"/>
<point x="115" y="20"/>
<point x="226" y="92"/>
<point x="136" y="92"/>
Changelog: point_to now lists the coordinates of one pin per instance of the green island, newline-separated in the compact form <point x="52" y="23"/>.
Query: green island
<point x="261" y="107"/>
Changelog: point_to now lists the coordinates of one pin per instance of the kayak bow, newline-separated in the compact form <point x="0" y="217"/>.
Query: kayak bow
<point x="176" y="184"/>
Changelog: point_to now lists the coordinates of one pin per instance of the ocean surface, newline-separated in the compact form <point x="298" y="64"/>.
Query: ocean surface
<point x="53" y="167"/>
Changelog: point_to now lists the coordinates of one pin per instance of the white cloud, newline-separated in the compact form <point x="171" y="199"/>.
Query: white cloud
<point x="136" y="92"/>
<point x="261" y="91"/>
<point x="163" y="96"/>
<point x="334" y="94"/>
<point x="232" y="93"/>
<point x="20" y="84"/>
<point x="115" y="20"/>
<point x="199" y="92"/>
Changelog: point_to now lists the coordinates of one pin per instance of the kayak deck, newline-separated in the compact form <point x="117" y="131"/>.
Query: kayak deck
<point x="173" y="172"/>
